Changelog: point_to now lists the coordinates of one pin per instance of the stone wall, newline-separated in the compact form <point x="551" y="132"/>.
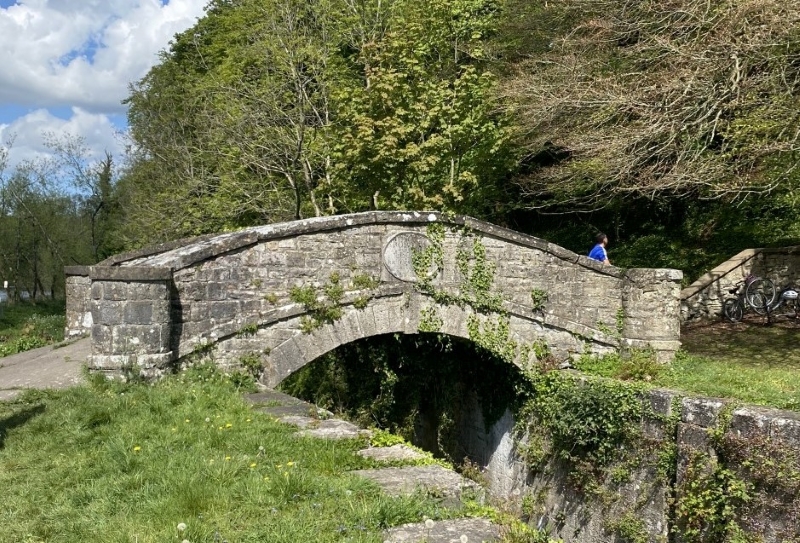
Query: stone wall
<point x="703" y="299"/>
<point x="132" y="327"/>
<point x="78" y="292"/>
<point x="759" y="447"/>
<point x="230" y="295"/>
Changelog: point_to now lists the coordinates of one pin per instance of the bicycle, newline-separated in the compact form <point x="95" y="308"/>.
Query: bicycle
<point x="789" y="296"/>
<point x="758" y="294"/>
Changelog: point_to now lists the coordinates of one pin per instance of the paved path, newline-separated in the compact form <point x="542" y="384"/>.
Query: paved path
<point x="46" y="367"/>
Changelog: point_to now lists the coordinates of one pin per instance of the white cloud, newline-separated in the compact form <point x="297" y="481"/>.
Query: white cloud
<point x="27" y="133"/>
<point x="84" y="53"/>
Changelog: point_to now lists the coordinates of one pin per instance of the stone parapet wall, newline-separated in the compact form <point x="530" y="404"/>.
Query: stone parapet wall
<point x="703" y="299"/>
<point x="78" y="311"/>
<point x="232" y="293"/>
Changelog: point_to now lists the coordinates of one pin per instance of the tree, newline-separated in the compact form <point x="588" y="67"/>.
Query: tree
<point x="630" y="99"/>
<point x="270" y="110"/>
<point x="420" y="130"/>
<point x="54" y="212"/>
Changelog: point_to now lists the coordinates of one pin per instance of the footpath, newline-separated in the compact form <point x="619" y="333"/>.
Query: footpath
<point x="46" y="367"/>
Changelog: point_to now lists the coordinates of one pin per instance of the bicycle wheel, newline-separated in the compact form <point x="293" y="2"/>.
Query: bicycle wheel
<point x="732" y="310"/>
<point x="761" y="295"/>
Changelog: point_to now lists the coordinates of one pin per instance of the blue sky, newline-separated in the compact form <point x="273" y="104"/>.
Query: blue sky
<point x="67" y="64"/>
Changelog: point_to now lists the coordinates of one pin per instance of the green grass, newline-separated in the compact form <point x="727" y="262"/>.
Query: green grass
<point x="129" y="463"/>
<point x="748" y="362"/>
<point x="25" y="326"/>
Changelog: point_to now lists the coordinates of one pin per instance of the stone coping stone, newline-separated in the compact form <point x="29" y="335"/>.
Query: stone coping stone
<point x="273" y="397"/>
<point x="183" y="253"/>
<point x="324" y="429"/>
<point x="280" y="405"/>
<point x="395" y="453"/>
<point x="476" y="530"/>
<point x="407" y="480"/>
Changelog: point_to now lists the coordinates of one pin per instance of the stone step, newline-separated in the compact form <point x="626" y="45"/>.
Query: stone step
<point x="464" y="530"/>
<point x="434" y="479"/>
<point x="312" y="421"/>
<point x="395" y="453"/>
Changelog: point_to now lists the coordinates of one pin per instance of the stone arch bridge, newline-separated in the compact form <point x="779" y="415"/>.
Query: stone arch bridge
<point x="287" y="293"/>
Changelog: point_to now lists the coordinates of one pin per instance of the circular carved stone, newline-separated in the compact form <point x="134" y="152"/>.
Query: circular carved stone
<point x="398" y="252"/>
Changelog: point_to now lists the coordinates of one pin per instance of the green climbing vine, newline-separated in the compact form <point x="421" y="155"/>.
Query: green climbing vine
<point x="474" y="290"/>
<point x="708" y="501"/>
<point x="429" y="320"/>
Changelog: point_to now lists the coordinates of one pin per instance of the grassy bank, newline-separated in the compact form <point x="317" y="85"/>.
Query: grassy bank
<point x="27" y="325"/>
<point x="185" y="459"/>
<point x="748" y="362"/>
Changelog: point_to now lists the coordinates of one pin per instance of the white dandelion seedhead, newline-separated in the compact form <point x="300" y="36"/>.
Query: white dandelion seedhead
<point x="463" y="538"/>
<point x="429" y="524"/>
<point x="181" y="527"/>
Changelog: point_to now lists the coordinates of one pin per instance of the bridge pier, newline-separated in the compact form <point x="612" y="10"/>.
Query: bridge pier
<point x="131" y="319"/>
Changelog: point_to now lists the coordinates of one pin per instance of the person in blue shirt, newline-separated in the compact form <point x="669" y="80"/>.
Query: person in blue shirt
<point x="598" y="252"/>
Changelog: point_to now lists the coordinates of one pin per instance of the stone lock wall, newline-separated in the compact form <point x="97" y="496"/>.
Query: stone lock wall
<point x="230" y="295"/>
<point x="703" y="299"/>
<point x="756" y="446"/>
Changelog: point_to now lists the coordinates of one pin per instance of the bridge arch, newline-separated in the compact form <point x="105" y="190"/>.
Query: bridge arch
<point x="288" y="293"/>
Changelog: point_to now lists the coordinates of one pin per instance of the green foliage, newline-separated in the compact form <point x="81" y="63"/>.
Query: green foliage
<point x="539" y="299"/>
<point x="252" y="364"/>
<point x="629" y="528"/>
<point x="363" y="281"/>
<point x="708" y="501"/>
<point x="429" y="320"/>
<point x="25" y="326"/>
<point x="382" y="438"/>
<point x="272" y="298"/>
<point x="583" y="419"/>
<point x="493" y="336"/>
<point x="301" y="109"/>
<point x="128" y="461"/>
<point x="324" y="304"/>
<point x="427" y="103"/>
<point x="633" y="365"/>
<point x="248" y="330"/>
<point x="322" y="307"/>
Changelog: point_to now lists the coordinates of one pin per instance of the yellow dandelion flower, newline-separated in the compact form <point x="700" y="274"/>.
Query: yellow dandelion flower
<point x="290" y="464"/>
<point x="228" y="425"/>
<point x="279" y="466"/>
<point x="248" y="420"/>
<point x="227" y="458"/>
<point x="137" y="448"/>
<point x="253" y="465"/>
<point x="187" y="420"/>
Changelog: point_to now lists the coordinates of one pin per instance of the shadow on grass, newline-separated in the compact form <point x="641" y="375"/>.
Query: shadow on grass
<point x="752" y="342"/>
<point x="18" y="419"/>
